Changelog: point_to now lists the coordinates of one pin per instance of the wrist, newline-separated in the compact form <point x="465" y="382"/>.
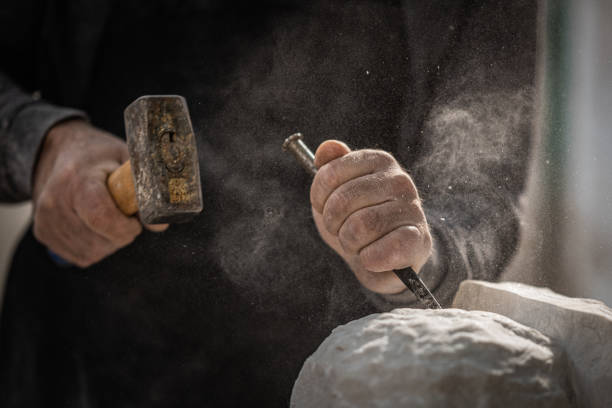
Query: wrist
<point x="65" y="130"/>
<point x="56" y="137"/>
<point x="28" y="129"/>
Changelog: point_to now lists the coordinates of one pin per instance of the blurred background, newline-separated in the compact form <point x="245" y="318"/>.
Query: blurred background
<point x="567" y="243"/>
<point x="14" y="219"/>
<point x="567" y="208"/>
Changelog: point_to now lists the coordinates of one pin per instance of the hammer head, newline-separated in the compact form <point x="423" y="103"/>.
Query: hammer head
<point x="164" y="159"/>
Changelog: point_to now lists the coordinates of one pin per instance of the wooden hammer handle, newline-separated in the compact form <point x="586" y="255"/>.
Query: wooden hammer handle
<point x="121" y="186"/>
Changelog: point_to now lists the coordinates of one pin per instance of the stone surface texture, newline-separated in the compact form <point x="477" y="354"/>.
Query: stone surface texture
<point x="583" y="327"/>
<point x="433" y="358"/>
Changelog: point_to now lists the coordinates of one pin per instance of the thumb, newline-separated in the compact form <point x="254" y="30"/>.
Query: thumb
<point x="328" y="151"/>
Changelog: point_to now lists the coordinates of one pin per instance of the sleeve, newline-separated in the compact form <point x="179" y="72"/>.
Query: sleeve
<point x="24" y="122"/>
<point x="474" y="149"/>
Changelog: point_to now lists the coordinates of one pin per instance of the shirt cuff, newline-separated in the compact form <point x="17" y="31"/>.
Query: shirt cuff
<point x="28" y="130"/>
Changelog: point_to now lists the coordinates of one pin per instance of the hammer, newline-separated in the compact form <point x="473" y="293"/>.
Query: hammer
<point x="161" y="181"/>
<point x="408" y="276"/>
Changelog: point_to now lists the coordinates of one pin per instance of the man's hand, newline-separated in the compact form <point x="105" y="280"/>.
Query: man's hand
<point x="74" y="214"/>
<point x="367" y="209"/>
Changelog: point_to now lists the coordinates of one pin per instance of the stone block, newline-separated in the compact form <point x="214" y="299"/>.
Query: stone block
<point x="434" y="358"/>
<point x="583" y="327"/>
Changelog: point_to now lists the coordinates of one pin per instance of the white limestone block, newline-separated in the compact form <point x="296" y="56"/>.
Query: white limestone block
<point x="583" y="327"/>
<point x="433" y="358"/>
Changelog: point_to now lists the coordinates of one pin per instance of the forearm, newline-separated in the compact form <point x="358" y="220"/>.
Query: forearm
<point x="24" y="122"/>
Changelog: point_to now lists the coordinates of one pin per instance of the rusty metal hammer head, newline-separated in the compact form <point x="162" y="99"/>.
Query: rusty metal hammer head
<point x="164" y="159"/>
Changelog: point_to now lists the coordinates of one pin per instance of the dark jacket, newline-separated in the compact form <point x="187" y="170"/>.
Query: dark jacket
<point x="223" y="311"/>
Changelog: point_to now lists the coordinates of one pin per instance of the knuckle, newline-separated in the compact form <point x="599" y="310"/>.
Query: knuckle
<point x="397" y="254"/>
<point x="87" y="194"/>
<point x="407" y="236"/>
<point x="366" y="155"/>
<point x="355" y="227"/>
<point x="329" y="176"/>
<point x="360" y="227"/>
<point x="68" y="171"/>
<point x="350" y="233"/>
<point x="334" y="208"/>
<point x="341" y="199"/>
<point x="414" y="214"/>
<point x="325" y="182"/>
<point x="328" y="221"/>
<point x="385" y="158"/>
<point x="380" y="157"/>
<point x="361" y="224"/>
<point x="370" y="221"/>
<point x="94" y="191"/>
<point x="401" y="183"/>
<point x="372" y="258"/>
<point x="396" y="250"/>
<point x="96" y="218"/>
<point x="97" y="213"/>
